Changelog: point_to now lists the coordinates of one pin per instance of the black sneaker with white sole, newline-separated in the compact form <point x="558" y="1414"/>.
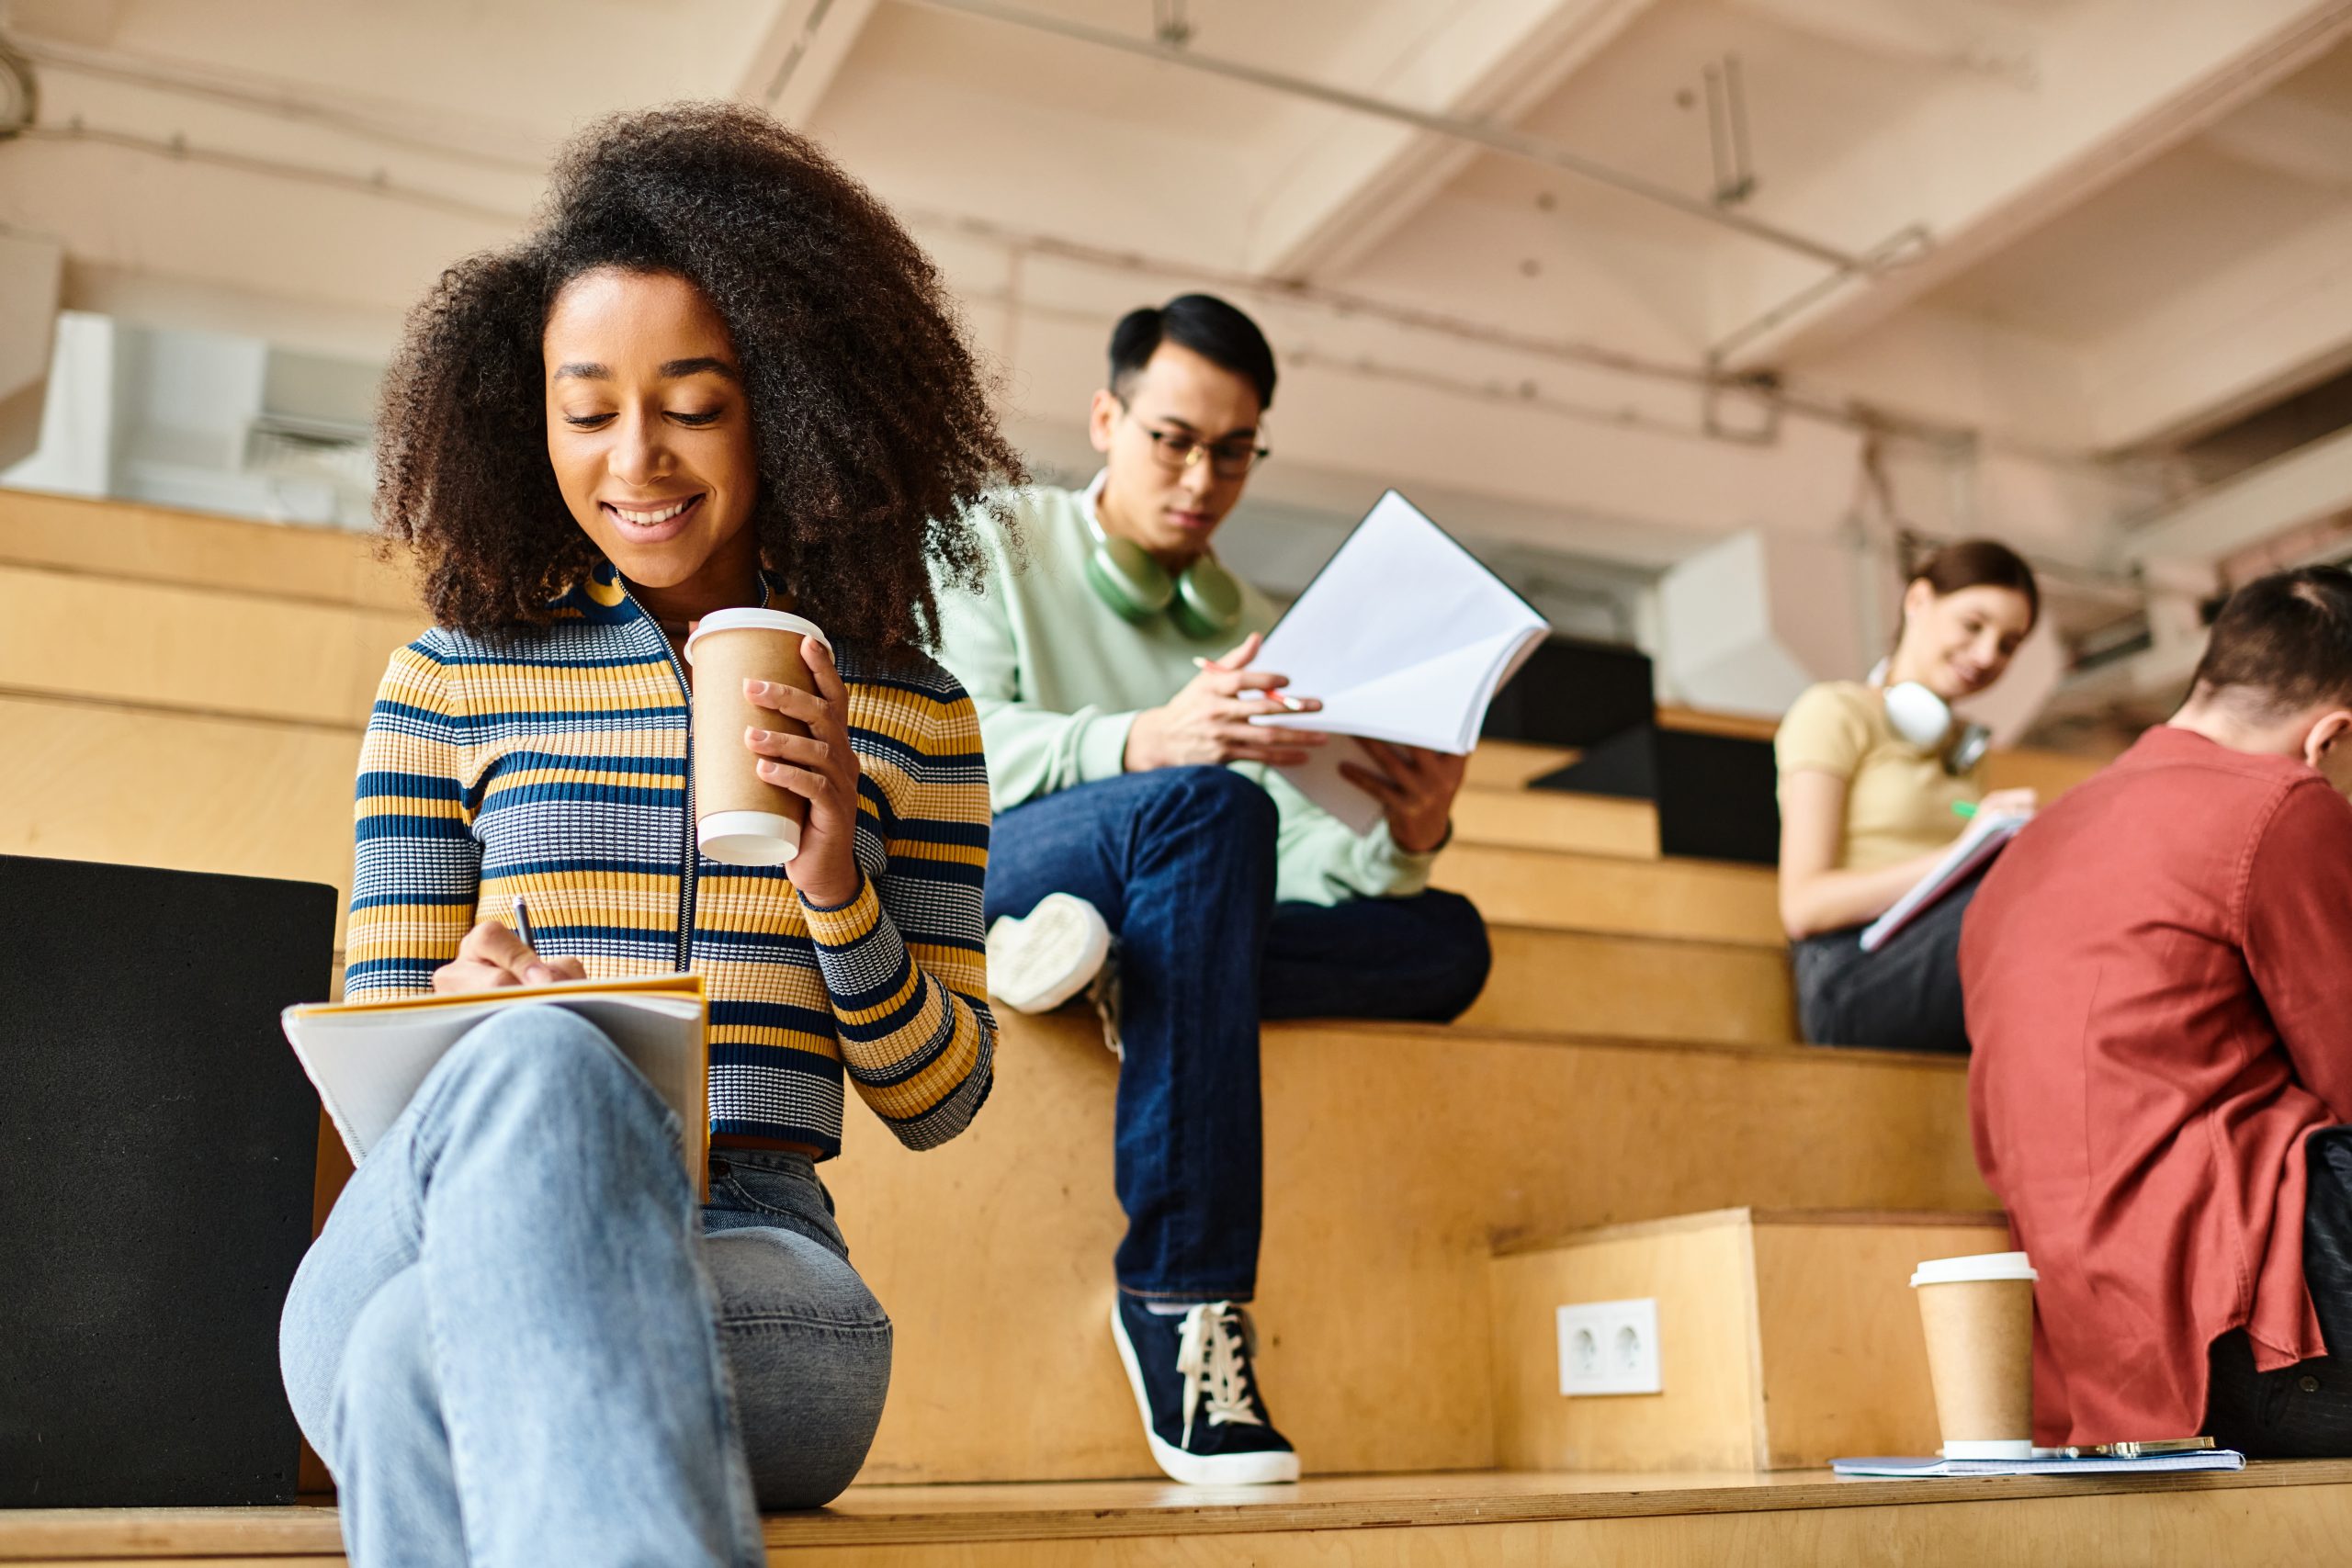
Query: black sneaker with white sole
<point x="1197" y="1391"/>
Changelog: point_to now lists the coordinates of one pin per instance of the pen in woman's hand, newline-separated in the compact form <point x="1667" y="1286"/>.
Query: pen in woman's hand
<point x="523" y="924"/>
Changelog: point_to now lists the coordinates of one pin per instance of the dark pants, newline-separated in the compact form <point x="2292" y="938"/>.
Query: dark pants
<point x="1180" y="863"/>
<point x="1905" y="997"/>
<point x="2304" y="1411"/>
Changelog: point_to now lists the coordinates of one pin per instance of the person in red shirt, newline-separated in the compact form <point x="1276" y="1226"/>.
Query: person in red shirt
<point x="2155" y="977"/>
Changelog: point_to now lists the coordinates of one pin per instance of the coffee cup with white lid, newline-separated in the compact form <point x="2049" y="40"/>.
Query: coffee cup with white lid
<point x="740" y="818"/>
<point x="1977" y="1315"/>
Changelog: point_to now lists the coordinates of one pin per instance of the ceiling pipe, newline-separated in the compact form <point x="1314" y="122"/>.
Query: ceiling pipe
<point x="1497" y="139"/>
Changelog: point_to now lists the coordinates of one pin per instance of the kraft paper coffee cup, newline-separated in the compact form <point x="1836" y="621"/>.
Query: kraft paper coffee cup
<point x="1978" y="1315"/>
<point x="740" y="818"/>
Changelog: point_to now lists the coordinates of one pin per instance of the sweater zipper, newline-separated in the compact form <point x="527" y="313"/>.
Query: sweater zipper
<point x="690" y="858"/>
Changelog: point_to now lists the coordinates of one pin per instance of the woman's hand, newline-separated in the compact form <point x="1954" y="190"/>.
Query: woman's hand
<point x="492" y="957"/>
<point x="1415" y="788"/>
<point x="2007" y="802"/>
<point x="820" y="768"/>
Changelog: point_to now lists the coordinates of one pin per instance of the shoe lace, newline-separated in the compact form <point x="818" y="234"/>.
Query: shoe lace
<point x="1103" y="991"/>
<point x="1213" y="1357"/>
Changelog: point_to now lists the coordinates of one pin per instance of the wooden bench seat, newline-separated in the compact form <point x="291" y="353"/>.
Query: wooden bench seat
<point x="2267" y="1513"/>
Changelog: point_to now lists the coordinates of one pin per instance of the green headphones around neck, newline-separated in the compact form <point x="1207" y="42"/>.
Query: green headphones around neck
<point x="1203" y="600"/>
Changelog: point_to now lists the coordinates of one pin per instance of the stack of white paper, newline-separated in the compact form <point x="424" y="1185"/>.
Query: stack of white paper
<point x="1406" y="637"/>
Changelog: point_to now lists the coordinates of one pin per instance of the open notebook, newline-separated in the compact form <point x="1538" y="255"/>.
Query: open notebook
<point x="367" y="1059"/>
<point x="1985" y="835"/>
<point x="1406" y="637"/>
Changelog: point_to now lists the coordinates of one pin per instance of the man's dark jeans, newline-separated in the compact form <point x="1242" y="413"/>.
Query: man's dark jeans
<point x="2304" y="1411"/>
<point x="1180" y="863"/>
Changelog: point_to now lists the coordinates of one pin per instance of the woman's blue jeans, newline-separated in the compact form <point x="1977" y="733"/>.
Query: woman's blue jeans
<point x="518" y="1343"/>
<point x="1180" y="863"/>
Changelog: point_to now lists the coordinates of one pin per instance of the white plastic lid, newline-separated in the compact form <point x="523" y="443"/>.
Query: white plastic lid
<point x="1977" y="1266"/>
<point x="748" y="838"/>
<point x="1990" y="1448"/>
<point x="755" y="620"/>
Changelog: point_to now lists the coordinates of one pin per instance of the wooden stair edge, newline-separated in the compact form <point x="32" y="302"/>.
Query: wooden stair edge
<point x="130" y="541"/>
<point x="912" y="1516"/>
<point x="1095" y="1509"/>
<point x="1669" y="1225"/>
<point x="1783" y="1051"/>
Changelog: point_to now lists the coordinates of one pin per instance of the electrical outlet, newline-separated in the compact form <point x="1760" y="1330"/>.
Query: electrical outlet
<point x="1609" y="1347"/>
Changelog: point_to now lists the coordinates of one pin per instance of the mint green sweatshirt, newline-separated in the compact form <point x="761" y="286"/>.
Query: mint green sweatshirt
<point x="1058" y="679"/>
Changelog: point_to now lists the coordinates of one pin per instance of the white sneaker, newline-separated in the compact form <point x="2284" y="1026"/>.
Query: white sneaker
<point x="1040" y="960"/>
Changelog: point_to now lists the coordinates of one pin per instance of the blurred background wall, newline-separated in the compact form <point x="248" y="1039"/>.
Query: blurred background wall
<point x="1698" y="317"/>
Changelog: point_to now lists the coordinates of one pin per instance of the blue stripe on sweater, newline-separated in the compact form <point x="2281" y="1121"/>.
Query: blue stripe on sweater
<point x="769" y="1015"/>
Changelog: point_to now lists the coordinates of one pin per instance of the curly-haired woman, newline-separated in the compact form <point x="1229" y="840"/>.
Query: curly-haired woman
<point x="718" y="376"/>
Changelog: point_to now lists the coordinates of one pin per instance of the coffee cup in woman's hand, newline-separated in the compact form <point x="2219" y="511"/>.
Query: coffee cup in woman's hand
<point x="743" y="817"/>
<point x="492" y="957"/>
<point x="820" y="768"/>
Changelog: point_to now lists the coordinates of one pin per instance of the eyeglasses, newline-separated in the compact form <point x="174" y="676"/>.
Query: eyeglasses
<point x="1178" y="450"/>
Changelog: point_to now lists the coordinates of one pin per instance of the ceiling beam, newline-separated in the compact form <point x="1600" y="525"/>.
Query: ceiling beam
<point x="2278" y="318"/>
<point x="2294" y="136"/>
<point x="73" y="21"/>
<point x="1954" y="33"/>
<point x="797" y="52"/>
<point x="1985" y="163"/>
<point x="1540" y="150"/>
<point x="1343" y="187"/>
<point x="2305" y="485"/>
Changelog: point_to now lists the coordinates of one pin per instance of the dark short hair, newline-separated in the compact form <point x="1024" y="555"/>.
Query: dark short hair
<point x="1208" y="326"/>
<point x="2282" y="643"/>
<point x="1980" y="563"/>
<point x="871" y="419"/>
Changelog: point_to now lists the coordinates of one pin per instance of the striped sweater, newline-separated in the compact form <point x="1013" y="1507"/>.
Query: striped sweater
<point x="556" y="768"/>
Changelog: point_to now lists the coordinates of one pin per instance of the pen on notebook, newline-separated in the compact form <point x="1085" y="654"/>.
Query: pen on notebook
<point x="1959" y="808"/>
<point x="523" y="924"/>
<point x="1291" y="702"/>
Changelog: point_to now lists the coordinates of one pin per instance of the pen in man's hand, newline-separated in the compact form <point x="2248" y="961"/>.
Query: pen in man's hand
<point x="523" y="924"/>
<point x="1291" y="702"/>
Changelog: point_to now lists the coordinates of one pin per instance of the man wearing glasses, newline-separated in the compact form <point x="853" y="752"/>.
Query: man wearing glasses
<point x="1148" y="851"/>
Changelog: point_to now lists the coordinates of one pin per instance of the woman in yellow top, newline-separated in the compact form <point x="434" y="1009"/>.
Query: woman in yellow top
<point x="1870" y="777"/>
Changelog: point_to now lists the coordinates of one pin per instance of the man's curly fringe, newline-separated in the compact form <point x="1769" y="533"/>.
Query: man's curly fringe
<point x="872" y="423"/>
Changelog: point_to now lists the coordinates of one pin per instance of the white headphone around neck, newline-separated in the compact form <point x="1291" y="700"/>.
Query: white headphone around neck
<point x="1927" y="721"/>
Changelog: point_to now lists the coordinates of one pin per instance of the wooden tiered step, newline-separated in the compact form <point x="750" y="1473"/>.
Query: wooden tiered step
<point x="264" y="798"/>
<point x="1396" y="1158"/>
<point x="1548" y="820"/>
<point x="1634" y="987"/>
<point x="1784" y="1340"/>
<point x="1688" y="899"/>
<point x="1381" y="1220"/>
<point x="2267" y="1513"/>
